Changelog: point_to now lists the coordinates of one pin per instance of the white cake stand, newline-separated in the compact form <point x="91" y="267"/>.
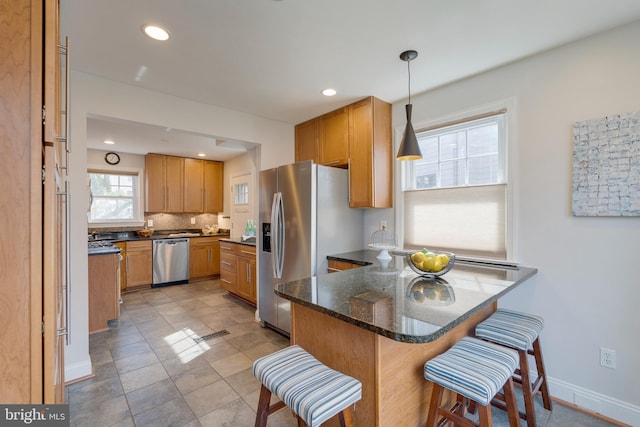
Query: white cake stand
<point x="384" y="250"/>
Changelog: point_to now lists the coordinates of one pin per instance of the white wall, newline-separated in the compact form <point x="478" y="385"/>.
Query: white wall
<point x="94" y="96"/>
<point x="588" y="284"/>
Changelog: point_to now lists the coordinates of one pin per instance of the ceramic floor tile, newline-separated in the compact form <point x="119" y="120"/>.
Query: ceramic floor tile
<point x="142" y="377"/>
<point x="174" y="413"/>
<point x="232" y="414"/>
<point x="86" y="393"/>
<point x="130" y="349"/>
<point x="196" y="378"/>
<point x="105" y="412"/>
<point x="136" y="361"/>
<point x="211" y="397"/>
<point x="177" y="366"/>
<point x="231" y="364"/>
<point x="243" y="382"/>
<point x="152" y="395"/>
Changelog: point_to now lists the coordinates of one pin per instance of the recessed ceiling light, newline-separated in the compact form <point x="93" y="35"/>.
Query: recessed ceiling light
<point x="201" y="155"/>
<point x="155" y="32"/>
<point x="329" y="92"/>
<point x="109" y="142"/>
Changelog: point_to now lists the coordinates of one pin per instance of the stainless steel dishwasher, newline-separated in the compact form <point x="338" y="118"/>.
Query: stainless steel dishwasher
<point x="170" y="262"/>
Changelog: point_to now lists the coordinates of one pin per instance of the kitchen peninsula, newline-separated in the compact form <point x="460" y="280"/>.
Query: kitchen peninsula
<point x="382" y="322"/>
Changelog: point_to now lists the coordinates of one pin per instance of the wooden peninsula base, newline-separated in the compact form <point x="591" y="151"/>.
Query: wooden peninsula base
<point x="394" y="391"/>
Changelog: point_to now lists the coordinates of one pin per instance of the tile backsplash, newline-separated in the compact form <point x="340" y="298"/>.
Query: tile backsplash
<point x="167" y="221"/>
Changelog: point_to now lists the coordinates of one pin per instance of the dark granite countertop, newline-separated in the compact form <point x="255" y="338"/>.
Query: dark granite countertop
<point x="393" y="301"/>
<point x="239" y="241"/>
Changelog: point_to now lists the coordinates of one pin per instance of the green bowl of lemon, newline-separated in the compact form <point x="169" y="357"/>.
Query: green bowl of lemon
<point x="429" y="263"/>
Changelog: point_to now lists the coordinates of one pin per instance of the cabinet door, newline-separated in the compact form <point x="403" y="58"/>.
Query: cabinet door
<point x="246" y="277"/>
<point x="174" y="181"/>
<point x="213" y="186"/>
<point x="198" y="260"/>
<point x="155" y="191"/>
<point x="138" y="263"/>
<point x="193" y="189"/>
<point x="306" y="140"/>
<point x="370" y="183"/>
<point x="334" y="138"/>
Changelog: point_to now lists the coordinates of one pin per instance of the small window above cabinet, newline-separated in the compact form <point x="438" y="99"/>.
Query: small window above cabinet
<point x="357" y="136"/>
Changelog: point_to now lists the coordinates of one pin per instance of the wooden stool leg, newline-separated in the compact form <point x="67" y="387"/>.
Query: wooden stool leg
<point x="301" y="423"/>
<point x="485" y="416"/>
<point x="346" y="417"/>
<point x="512" y="406"/>
<point x="544" y="389"/>
<point x="526" y="389"/>
<point x="263" y="407"/>
<point x="436" y="394"/>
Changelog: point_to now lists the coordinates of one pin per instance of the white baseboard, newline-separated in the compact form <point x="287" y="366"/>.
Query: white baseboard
<point x="595" y="402"/>
<point x="73" y="371"/>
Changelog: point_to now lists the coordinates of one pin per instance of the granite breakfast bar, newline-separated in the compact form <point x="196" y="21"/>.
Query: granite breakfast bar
<point x="380" y="323"/>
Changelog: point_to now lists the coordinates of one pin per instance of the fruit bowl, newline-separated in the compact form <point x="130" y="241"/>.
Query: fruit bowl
<point x="431" y="263"/>
<point x="145" y="233"/>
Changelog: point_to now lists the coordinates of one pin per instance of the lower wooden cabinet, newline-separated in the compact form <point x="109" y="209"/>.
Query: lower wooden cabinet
<point x="138" y="264"/>
<point x="238" y="270"/>
<point x="204" y="258"/>
<point x="104" y="292"/>
<point x="334" y="265"/>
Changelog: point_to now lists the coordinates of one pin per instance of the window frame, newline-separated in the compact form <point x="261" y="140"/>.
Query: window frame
<point x="138" y="196"/>
<point x="511" y="125"/>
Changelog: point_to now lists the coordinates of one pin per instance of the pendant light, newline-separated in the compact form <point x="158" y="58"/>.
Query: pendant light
<point x="409" y="147"/>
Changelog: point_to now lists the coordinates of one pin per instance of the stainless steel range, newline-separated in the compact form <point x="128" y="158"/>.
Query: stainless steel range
<point x="102" y="247"/>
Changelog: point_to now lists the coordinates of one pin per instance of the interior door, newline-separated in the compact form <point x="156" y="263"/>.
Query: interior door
<point x="242" y="206"/>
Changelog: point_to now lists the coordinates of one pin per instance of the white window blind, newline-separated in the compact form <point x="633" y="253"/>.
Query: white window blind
<point x="465" y="220"/>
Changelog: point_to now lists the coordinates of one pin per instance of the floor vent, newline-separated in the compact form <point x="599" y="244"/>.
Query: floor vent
<point x="220" y="333"/>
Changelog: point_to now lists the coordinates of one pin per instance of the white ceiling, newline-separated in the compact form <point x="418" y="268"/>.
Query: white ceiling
<point x="272" y="58"/>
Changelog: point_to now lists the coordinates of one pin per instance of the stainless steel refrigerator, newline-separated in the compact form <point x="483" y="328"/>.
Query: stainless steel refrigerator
<point x="304" y="216"/>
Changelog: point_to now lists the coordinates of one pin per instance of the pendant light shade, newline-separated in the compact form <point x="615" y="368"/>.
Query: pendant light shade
<point x="409" y="147"/>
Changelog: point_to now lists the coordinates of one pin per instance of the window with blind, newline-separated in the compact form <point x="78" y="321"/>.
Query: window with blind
<point x="455" y="197"/>
<point x="115" y="197"/>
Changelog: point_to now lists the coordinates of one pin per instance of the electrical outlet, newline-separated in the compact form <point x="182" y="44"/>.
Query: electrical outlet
<point x="149" y="223"/>
<point x="607" y="358"/>
<point x="193" y="220"/>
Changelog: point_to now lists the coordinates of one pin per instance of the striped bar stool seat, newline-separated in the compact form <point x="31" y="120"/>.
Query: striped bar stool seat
<point x="521" y="332"/>
<point x="312" y="390"/>
<point x="475" y="370"/>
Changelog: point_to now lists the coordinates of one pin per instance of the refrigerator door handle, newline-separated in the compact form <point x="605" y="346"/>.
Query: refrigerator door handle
<point x="277" y="235"/>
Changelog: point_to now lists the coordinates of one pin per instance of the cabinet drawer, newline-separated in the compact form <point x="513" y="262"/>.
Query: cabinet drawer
<point x="227" y="262"/>
<point x="227" y="247"/>
<point x="142" y="245"/>
<point x="228" y="280"/>
<point x="203" y="241"/>
<point x="246" y="250"/>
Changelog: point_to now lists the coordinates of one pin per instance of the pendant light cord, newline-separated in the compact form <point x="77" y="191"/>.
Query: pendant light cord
<point x="409" y="72"/>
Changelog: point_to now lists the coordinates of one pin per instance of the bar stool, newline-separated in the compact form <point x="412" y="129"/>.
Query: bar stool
<point x="520" y="332"/>
<point x="312" y="390"/>
<point x="475" y="370"/>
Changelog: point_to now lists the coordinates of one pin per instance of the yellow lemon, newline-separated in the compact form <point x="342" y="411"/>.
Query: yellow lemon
<point x="417" y="258"/>
<point x="437" y="265"/>
<point x="429" y="262"/>
<point x="444" y="259"/>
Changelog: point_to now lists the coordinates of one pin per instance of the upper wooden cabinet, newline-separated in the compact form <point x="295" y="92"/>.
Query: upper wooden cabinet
<point x="357" y="136"/>
<point x="307" y="141"/>
<point x="333" y="133"/>
<point x="164" y="177"/>
<point x="370" y="164"/>
<point x="177" y="184"/>
<point x="212" y="186"/>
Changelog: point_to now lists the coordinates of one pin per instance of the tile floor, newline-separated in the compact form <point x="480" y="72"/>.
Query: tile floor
<point x="149" y="370"/>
